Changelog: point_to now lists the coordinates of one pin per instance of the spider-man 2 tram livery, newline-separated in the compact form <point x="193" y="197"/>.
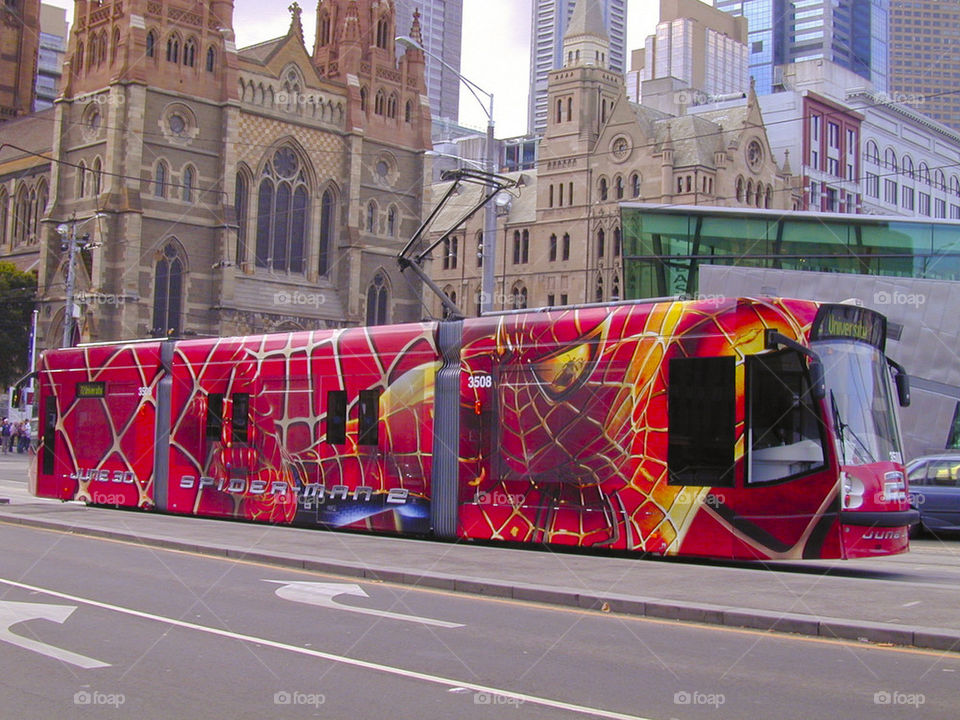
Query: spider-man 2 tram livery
<point x="737" y="428"/>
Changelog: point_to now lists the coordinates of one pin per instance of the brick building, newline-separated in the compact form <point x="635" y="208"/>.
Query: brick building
<point x="223" y="190"/>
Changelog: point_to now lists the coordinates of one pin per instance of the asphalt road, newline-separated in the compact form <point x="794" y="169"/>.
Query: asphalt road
<point x="94" y="628"/>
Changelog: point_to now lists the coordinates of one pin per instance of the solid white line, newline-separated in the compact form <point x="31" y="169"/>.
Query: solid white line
<point x="366" y="665"/>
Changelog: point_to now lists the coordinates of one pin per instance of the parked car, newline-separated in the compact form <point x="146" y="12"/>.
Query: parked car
<point x="934" y="482"/>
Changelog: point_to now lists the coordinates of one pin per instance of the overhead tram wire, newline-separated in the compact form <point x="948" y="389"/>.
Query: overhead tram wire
<point x="648" y="145"/>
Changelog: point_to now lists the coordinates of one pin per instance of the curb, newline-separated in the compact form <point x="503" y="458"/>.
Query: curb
<point x="705" y="613"/>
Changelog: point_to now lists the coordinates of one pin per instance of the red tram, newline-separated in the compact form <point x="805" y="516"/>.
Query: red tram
<point x="737" y="428"/>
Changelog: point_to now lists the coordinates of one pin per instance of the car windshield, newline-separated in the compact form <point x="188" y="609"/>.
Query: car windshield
<point x="860" y="397"/>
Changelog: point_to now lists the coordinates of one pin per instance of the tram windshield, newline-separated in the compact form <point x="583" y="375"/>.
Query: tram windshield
<point x="861" y="399"/>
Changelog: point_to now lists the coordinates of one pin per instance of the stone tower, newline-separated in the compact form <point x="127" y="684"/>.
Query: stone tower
<point x="19" y="42"/>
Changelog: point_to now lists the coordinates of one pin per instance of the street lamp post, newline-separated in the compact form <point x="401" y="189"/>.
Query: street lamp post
<point x="490" y="215"/>
<point x="63" y="231"/>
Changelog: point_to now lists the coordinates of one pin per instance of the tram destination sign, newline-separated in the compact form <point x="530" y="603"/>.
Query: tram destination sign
<point x="91" y="389"/>
<point x="850" y="322"/>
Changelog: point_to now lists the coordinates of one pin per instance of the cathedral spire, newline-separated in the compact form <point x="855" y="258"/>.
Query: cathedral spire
<point x="415" y="31"/>
<point x="296" y="25"/>
<point x="586" y="41"/>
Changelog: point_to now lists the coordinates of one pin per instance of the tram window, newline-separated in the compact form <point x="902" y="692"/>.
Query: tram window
<point x="368" y="417"/>
<point x="49" y="433"/>
<point x="240" y="421"/>
<point x="214" y="416"/>
<point x="701" y="412"/>
<point x="337" y="417"/>
<point x="785" y="433"/>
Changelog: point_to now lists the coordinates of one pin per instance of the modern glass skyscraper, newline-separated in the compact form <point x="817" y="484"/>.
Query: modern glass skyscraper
<point x="925" y="65"/>
<point x="441" y="23"/>
<point x="850" y="33"/>
<point x="548" y="28"/>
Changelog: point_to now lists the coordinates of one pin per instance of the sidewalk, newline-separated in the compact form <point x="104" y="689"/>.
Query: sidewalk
<point x="904" y="600"/>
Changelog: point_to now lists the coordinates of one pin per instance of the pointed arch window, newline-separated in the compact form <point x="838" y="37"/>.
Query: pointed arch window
<point x="283" y="206"/>
<point x="635" y="185"/>
<point x="168" y="292"/>
<point x="173" y="49"/>
<point x="151" y="44"/>
<point x="565" y="249"/>
<point x="601" y="242"/>
<point x="79" y="57"/>
<point x="392" y="221"/>
<point x="617" y="242"/>
<point x="323" y="35"/>
<point x="82" y="179"/>
<point x="211" y="59"/>
<point x="378" y="103"/>
<point x="383" y="33"/>
<point x="115" y="46"/>
<point x="97" y="177"/>
<point x="603" y="188"/>
<point x="618" y="184"/>
<point x="327" y="215"/>
<point x="241" y="203"/>
<point x="407" y="111"/>
<point x="377" y="300"/>
<point x="102" y="49"/>
<point x="371" y="217"/>
<point x="519" y="296"/>
<point x="21" y="216"/>
<point x="599" y="290"/>
<point x="4" y="210"/>
<point x="392" y="106"/>
<point x="188" y="182"/>
<point x="160" y="180"/>
<point x="363" y="99"/>
<point x="189" y="53"/>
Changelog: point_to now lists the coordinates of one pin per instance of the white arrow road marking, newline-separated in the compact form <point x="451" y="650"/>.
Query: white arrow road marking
<point x="331" y="657"/>
<point x="12" y="613"/>
<point x="323" y="594"/>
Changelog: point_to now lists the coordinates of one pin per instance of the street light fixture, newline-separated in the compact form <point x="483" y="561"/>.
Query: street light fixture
<point x="65" y="230"/>
<point x="490" y="217"/>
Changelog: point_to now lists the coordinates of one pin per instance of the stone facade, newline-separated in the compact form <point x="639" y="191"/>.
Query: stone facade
<point x="560" y="241"/>
<point x="19" y="42"/>
<point x="230" y="191"/>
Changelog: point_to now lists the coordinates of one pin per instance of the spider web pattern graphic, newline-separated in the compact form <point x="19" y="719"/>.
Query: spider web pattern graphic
<point x="582" y="425"/>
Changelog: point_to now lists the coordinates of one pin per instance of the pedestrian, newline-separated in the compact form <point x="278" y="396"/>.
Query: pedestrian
<point x="24" y="437"/>
<point x="5" y="435"/>
<point x="14" y="432"/>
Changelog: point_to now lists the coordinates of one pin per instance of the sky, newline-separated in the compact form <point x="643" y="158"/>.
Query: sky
<point x="495" y="53"/>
